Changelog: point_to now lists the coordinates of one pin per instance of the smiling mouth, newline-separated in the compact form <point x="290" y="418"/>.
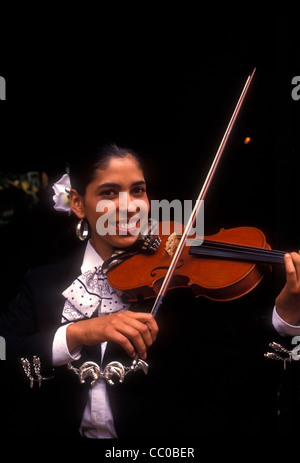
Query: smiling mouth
<point x="127" y="228"/>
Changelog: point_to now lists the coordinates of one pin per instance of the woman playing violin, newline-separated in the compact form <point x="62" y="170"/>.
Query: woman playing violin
<point x="68" y="318"/>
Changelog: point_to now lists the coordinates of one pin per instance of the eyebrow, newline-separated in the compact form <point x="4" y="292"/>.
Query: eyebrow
<point x="116" y="185"/>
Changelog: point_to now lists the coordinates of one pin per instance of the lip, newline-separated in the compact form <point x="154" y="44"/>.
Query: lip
<point x="126" y="228"/>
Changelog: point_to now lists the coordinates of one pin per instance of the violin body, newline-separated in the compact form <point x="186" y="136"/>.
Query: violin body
<point x="211" y="276"/>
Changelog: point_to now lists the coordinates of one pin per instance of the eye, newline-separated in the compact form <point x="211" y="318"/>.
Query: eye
<point x="109" y="193"/>
<point x="138" y="191"/>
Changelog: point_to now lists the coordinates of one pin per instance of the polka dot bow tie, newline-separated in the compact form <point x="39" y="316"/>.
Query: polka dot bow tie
<point x="91" y="291"/>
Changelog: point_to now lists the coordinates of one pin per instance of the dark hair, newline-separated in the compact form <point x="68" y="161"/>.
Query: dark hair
<point x="93" y="157"/>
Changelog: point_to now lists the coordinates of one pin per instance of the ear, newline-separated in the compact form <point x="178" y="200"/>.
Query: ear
<point x="76" y="203"/>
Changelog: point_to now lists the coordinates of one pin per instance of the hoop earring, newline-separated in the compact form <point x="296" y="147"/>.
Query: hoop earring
<point x="82" y="230"/>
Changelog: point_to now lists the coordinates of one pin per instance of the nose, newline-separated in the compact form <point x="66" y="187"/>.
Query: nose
<point x="125" y="199"/>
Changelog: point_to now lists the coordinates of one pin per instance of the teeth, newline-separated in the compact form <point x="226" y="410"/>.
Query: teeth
<point x="126" y="226"/>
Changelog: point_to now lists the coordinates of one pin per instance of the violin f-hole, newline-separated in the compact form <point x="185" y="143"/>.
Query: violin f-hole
<point x="165" y="267"/>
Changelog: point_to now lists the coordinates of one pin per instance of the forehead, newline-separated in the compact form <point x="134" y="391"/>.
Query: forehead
<point x="119" y="170"/>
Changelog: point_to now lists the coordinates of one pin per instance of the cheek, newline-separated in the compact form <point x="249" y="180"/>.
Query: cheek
<point x="102" y="213"/>
<point x="140" y="208"/>
<point x="147" y="203"/>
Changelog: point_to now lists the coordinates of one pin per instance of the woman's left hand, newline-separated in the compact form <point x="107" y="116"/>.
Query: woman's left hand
<point x="288" y="301"/>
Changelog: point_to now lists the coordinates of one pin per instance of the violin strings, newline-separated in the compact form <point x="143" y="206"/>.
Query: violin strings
<point x="245" y="248"/>
<point x="248" y="250"/>
<point x="237" y="251"/>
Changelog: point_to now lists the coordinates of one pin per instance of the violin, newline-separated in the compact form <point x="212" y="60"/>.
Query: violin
<point x="225" y="266"/>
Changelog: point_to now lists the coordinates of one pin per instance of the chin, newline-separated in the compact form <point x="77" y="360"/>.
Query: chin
<point x="125" y="241"/>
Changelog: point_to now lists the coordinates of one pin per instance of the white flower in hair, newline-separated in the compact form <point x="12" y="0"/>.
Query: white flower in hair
<point x="61" y="198"/>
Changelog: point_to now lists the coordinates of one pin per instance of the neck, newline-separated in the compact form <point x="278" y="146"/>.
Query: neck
<point x="104" y="249"/>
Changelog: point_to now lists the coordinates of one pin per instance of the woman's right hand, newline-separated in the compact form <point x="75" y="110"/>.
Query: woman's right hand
<point x="134" y="331"/>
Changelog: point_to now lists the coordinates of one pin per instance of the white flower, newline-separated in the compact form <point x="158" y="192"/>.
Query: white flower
<point x="61" y="197"/>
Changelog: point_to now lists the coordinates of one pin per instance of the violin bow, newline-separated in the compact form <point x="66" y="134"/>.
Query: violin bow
<point x="200" y="199"/>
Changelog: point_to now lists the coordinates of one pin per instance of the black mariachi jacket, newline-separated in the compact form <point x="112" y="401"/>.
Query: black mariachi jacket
<point x="28" y="328"/>
<point x="206" y="367"/>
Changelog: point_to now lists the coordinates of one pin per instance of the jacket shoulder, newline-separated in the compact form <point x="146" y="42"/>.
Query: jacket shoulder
<point x="58" y="272"/>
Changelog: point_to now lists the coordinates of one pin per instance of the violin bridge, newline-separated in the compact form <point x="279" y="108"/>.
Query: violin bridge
<point x="171" y="244"/>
